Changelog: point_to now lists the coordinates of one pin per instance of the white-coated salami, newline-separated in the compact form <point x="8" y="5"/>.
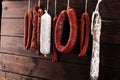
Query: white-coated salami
<point x="45" y="35"/>
<point x="95" y="31"/>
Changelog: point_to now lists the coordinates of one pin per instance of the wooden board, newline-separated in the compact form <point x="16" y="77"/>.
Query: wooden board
<point x="4" y="75"/>
<point x="109" y="9"/>
<point x="14" y="48"/>
<point x="109" y="34"/>
<point x="18" y="63"/>
<point x="12" y="27"/>
<point x="14" y="45"/>
<point x="43" y="68"/>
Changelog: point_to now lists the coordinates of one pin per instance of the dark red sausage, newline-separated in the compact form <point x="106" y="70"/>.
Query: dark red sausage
<point x="73" y="31"/>
<point x="54" y="51"/>
<point x="28" y="30"/>
<point x="35" y="22"/>
<point x="84" y="34"/>
<point x="25" y="29"/>
<point x="40" y="12"/>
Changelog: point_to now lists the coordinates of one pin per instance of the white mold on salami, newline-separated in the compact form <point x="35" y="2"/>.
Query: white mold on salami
<point x="45" y="35"/>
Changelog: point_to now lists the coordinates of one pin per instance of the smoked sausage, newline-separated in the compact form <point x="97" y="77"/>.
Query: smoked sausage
<point x="40" y="12"/>
<point x="54" y="51"/>
<point x="28" y="30"/>
<point x="35" y="22"/>
<point x="73" y="31"/>
<point x="84" y="34"/>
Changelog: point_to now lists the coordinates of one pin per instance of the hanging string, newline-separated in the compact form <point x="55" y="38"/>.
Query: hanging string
<point x="47" y="5"/>
<point x="95" y="12"/>
<point x="97" y="6"/>
<point x="55" y="7"/>
<point x="86" y="3"/>
<point x="38" y="3"/>
<point x="28" y="5"/>
<point x="68" y="4"/>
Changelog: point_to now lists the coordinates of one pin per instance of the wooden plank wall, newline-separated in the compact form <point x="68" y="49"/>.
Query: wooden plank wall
<point x="19" y="64"/>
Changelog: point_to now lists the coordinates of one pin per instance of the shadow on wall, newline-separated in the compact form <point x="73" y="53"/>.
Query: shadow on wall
<point x="0" y="20"/>
<point x="0" y="14"/>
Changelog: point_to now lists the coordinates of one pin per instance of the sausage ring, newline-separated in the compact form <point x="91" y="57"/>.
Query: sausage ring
<point x="73" y="31"/>
<point x="84" y="34"/>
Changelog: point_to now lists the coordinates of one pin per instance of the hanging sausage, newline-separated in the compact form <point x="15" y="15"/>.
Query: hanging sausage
<point x="70" y="12"/>
<point x="40" y="13"/>
<point x="28" y="28"/>
<point x="35" y="22"/>
<point x="84" y="32"/>
<point x="95" y="31"/>
<point x="37" y="13"/>
<point x="54" y="51"/>
<point x="45" y="33"/>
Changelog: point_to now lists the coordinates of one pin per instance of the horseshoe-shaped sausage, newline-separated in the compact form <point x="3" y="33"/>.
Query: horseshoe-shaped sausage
<point x="73" y="31"/>
<point x="84" y="34"/>
<point x="28" y="30"/>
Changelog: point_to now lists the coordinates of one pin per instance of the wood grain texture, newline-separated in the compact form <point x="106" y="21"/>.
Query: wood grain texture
<point x="19" y="64"/>
<point x="108" y="9"/>
<point x="15" y="47"/>
<point x="109" y="34"/>
<point x="4" y="75"/>
<point x="43" y="68"/>
<point x="12" y="27"/>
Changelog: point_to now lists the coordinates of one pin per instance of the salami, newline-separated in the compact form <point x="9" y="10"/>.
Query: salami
<point x="96" y="32"/>
<point x="45" y="34"/>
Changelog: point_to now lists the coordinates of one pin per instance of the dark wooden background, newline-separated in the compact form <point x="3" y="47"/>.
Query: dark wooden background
<point x="19" y="64"/>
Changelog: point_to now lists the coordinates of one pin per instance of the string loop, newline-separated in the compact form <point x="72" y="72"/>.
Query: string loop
<point x="38" y="3"/>
<point x="68" y="4"/>
<point x="29" y="5"/>
<point x="86" y="3"/>
<point x="47" y="5"/>
<point x="55" y="7"/>
<point x="97" y="6"/>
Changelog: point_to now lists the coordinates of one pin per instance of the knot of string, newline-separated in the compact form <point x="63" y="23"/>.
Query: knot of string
<point x="28" y="5"/>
